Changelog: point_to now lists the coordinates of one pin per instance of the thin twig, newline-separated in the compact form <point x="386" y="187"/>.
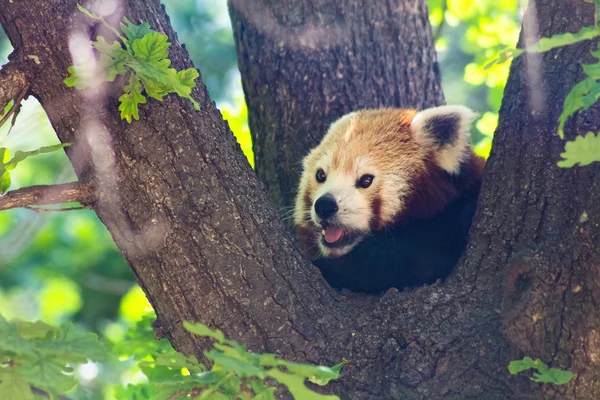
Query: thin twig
<point x="27" y="197"/>
<point x="15" y="108"/>
<point x="12" y="83"/>
<point x="45" y="209"/>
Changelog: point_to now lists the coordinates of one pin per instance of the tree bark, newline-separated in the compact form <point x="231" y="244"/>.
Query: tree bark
<point x="546" y="217"/>
<point x="205" y="244"/>
<point x="306" y="63"/>
<point x="179" y="197"/>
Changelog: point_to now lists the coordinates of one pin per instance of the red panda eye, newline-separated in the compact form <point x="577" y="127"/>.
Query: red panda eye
<point x="321" y="176"/>
<point x="365" y="181"/>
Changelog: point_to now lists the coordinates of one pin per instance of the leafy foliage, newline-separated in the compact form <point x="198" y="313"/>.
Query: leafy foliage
<point x="142" y="54"/>
<point x="236" y="372"/>
<point x="544" y="374"/>
<point x="584" y="94"/>
<point x="7" y="164"/>
<point x="41" y="356"/>
<point x="233" y="363"/>
<point x="38" y="355"/>
<point x="584" y="150"/>
<point x="546" y="44"/>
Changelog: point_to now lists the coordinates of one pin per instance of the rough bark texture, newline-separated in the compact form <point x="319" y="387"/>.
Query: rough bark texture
<point x="306" y="63"/>
<point x="196" y="227"/>
<point x="546" y="217"/>
<point x="180" y="200"/>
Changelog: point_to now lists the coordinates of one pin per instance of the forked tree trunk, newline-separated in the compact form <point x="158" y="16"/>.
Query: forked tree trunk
<point x="197" y="230"/>
<point x="306" y="63"/>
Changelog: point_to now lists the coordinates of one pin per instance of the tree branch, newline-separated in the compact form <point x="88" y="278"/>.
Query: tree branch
<point x="12" y="83"/>
<point x="81" y="192"/>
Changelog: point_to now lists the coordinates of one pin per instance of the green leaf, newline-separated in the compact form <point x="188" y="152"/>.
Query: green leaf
<point x="155" y="89"/>
<point x="176" y="361"/>
<point x="327" y="375"/>
<point x="183" y="83"/>
<point x="544" y="374"/>
<point x="546" y="44"/>
<point x="581" y="97"/>
<point x="75" y="79"/>
<point x="239" y="366"/>
<point x="564" y="39"/>
<point x="11" y="341"/>
<point x="146" y="55"/>
<point x="22" y="155"/>
<point x="4" y="182"/>
<point x="73" y="347"/>
<point x="102" y="46"/>
<point x="112" y="57"/>
<point x="202" y="330"/>
<point x="584" y="150"/>
<point x="133" y="31"/>
<point x="312" y="371"/>
<point x="261" y="391"/>
<point x="152" y="47"/>
<point x="13" y="386"/>
<point x="130" y="100"/>
<point x="526" y="363"/>
<point x="142" y="391"/>
<point x="4" y="173"/>
<point x="161" y="79"/>
<point x="186" y="78"/>
<point x="7" y="107"/>
<point x="504" y="56"/>
<point x="6" y="166"/>
<point x="592" y="70"/>
<point x="556" y="376"/>
<point x="34" y="330"/>
<point x="295" y="385"/>
<point x="46" y="374"/>
<point x="590" y="98"/>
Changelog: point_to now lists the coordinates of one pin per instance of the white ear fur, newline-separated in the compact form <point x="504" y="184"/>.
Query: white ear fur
<point x="446" y="128"/>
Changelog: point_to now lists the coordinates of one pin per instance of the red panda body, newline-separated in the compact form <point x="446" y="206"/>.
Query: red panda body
<point x="387" y="198"/>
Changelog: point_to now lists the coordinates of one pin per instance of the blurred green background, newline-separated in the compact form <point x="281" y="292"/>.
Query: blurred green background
<point x="64" y="266"/>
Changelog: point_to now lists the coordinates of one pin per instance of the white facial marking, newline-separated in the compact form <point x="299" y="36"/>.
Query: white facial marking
<point x="350" y="129"/>
<point x="354" y="203"/>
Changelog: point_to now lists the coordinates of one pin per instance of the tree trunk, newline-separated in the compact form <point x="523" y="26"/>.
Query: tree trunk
<point x="197" y="230"/>
<point x="544" y="216"/>
<point x="306" y="63"/>
<point x="178" y="196"/>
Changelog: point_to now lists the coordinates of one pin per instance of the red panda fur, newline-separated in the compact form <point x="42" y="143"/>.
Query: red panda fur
<point x="424" y="171"/>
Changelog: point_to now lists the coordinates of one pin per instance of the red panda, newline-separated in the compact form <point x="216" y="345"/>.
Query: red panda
<point x="386" y="199"/>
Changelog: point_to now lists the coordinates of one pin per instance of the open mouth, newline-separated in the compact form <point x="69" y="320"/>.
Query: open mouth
<point x="336" y="236"/>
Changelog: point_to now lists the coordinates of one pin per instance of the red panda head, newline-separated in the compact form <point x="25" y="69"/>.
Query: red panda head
<point x="374" y="168"/>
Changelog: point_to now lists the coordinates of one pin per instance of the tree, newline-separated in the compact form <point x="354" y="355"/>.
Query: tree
<point x="206" y="245"/>
<point x="338" y="56"/>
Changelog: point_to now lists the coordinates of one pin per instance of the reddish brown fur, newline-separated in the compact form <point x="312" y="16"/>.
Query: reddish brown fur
<point x="384" y="137"/>
<point x="435" y="189"/>
<point x="376" y="213"/>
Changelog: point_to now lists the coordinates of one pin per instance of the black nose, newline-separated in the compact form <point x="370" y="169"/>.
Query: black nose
<point x="325" y="206"/>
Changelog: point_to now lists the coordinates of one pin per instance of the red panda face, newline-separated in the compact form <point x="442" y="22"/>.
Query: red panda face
<point x="362" y="176"/>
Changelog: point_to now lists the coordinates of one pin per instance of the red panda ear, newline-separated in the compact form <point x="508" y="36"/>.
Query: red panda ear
<point x="447" y="129"/>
